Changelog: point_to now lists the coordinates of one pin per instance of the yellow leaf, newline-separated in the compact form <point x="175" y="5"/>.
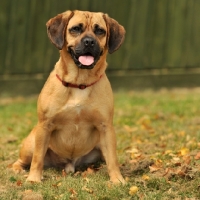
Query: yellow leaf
<point x="145" y="177"/>
<point x="181" y="133"/>
<point x="159" y="162"/>
<point x="132" y="150"/>
<point x="87" y="179"/>
<point x="127" y="179"/>
<point x="144" y="120"/>
<point x="184" y="151"/>
<point x="133" y="190"/>
<point x="135" y="155"/>
<point x="87" y="189"/>
<point x="59" y="184"/>
<point x="175" y="159"/>
<point x="169" y="151"/>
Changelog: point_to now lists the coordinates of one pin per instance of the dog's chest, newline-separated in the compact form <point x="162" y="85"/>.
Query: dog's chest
<point x="75" y="134"/>
<point x="77" y="100"/>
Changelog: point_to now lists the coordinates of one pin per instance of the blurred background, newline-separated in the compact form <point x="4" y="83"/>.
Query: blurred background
<point x="161" y="48"/>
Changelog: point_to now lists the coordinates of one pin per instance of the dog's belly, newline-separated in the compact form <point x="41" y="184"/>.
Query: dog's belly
<point x="72" y="141"/>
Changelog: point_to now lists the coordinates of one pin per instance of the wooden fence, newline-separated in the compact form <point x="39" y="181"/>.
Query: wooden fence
<point x="161" y="34"/>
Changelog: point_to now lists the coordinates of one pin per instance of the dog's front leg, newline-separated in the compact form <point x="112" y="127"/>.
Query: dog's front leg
<point x="42" y="138"/>
<point x="108" y="148"/>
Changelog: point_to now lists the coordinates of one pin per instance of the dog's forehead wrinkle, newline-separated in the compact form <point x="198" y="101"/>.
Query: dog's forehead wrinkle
<point x="86" y="14"/>
<point x="93" y="19"/>
<point x="88" y="19"/>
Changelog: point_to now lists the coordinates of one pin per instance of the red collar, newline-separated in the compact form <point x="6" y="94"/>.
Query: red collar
<point x="81" y="86"/>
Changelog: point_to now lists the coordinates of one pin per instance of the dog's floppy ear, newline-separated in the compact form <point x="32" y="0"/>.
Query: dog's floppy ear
<point x="116" y="34"/>
<point x="56" y="27"/>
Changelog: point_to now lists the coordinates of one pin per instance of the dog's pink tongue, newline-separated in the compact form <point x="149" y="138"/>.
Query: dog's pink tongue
<point x="86" y="60"/>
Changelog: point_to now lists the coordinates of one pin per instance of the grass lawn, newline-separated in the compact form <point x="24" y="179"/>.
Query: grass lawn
<point x="158" y="136"/>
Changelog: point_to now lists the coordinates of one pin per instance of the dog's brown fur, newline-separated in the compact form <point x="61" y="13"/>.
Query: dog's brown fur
<point x="75" y="126"/>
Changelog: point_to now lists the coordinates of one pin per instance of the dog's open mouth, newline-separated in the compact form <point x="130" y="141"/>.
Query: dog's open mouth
<point x="85" y="60"/>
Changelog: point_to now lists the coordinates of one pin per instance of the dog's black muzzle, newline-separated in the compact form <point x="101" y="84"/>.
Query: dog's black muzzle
<point x="86" y="53"/>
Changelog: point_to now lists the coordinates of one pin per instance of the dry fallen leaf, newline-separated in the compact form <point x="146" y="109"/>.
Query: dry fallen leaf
<point x="77" y="173"/>
<point x="130" y="129"/>
<point x="73" y="194"/>
<point x="144" y="120"/>
<point x="19" y="183"/>
<point x="167" y="170"/>
<point x="197" y="157"/>
<point x="87" y="179"/>
<point x="168" y="151"/>
<point x="57" y="177"/>
<point x="87" y="172"/>
<point x="154" y="168"/>
<point x="90" y="170"/>
<point x="187" y="160"/>
<point x="145" y="123"/>
<point x="73" y="197"/>
<point x="64" y="173"/>
<point x="159" y="163"/>
<point x="72" y="191"/>
<point x="176" y="159"/>
<point x="134" y="153"/>
<point x="84" y="188"/>
<point x="132" y="150"/>
<point x="133" y="190"/>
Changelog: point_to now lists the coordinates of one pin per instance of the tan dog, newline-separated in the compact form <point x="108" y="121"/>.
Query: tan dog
<point x="75" y="107"/>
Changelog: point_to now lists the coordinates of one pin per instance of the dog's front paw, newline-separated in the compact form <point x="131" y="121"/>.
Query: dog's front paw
<point x="118" y="180"/>
<point x="34" y="179"/>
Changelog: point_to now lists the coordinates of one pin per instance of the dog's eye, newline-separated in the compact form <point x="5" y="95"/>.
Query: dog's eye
<point x="99" y="31"/>
<point x="76" y="29"/>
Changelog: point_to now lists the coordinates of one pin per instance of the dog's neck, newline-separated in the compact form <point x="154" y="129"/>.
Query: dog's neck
<point x="81" y="86"/>
<point x="69" y="72"/>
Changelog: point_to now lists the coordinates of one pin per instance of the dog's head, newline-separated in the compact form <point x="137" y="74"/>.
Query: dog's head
<point x="85" y="35"/>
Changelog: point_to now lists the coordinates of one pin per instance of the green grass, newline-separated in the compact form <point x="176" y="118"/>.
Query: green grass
<point x="158" y="136"/>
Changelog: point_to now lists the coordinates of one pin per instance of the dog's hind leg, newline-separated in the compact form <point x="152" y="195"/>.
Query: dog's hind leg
<point x="25" y="155"/>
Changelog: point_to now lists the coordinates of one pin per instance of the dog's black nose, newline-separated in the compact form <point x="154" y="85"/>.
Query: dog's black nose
<point x="88" y="41"/>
